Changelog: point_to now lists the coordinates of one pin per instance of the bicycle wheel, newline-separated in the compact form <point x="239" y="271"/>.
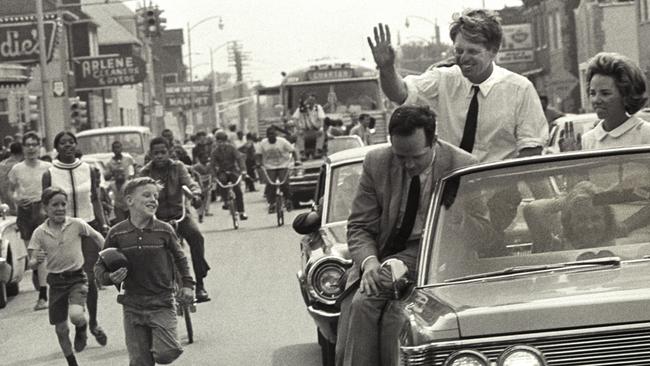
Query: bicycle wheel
<point x="188" y="324"/>
<point x="233" y="213"/>
<point x="279" y="208"/>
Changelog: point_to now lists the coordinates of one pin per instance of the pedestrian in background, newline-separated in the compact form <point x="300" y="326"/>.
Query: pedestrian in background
<point x="4" y="149"/>
<point x="116" y="190"/>
<point x="202" y="169"/>
<point x="362" y="128"/>
<point x="80" y="182"/>
<point x="58" y="240"/>
<point x="550" y="113"/>
<point x="26" y="189"/>
<point x="16" y="150"/>
<point x="150" y="325"/>
<point x="119" y="161"/>
<point x="248" y="150"/>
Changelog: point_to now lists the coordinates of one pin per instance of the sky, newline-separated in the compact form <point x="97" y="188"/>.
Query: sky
<point x="280" y="35"/>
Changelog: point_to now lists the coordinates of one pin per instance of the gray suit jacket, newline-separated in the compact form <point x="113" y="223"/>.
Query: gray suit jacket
<point x="375" y="208"/>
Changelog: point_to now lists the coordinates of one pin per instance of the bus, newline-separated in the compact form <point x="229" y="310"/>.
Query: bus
<point x="344" y="89"/>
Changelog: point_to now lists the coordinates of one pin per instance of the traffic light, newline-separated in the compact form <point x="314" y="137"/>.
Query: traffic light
<point x="150" y="21"/>
<point x="33" y="110"/>
<point x="78" y="113"/>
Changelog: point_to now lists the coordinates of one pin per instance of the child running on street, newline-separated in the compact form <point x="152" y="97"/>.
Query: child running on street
<point x="58" y="240"/>
<point x="153" y="253"/>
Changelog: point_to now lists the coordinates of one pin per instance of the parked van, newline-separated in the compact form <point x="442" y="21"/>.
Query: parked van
<point x="98" y="141"/>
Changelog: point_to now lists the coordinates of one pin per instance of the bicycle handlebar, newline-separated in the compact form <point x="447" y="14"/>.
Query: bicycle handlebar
<point x="186" y="192"/>
<point x="276" y="182"/>
<point x="226" y="186"/>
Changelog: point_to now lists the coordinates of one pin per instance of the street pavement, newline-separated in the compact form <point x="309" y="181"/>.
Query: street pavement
<point x="256" y="316"/>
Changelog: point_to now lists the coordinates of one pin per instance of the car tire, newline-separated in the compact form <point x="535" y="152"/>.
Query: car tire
<point x="3" y="295"/>
<point x="328" y="350"/>
<point x="12" y="289"/>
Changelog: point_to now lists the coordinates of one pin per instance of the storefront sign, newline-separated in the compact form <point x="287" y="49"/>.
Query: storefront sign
<point x="178" y="95"/>
<point x="516" y="44"/>
<point x="508" y="57"/>
<point x="19" y="42"/>
<point x="108" y="71"/>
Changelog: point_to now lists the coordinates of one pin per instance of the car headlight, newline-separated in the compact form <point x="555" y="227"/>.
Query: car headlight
<point x="325" y="280"/>
<point x="467" y="358"/>
<point x="298" y="172"/>
<point x="521" y="356"/>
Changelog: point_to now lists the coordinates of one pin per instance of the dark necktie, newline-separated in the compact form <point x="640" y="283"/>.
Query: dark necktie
<point x="469" y="133"/>
<point x="410" y="213"/>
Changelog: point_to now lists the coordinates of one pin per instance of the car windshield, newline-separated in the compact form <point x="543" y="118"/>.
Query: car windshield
<point x="342" y="143"/>
<point x="539" y="214"/>
<point x="101" y="143"/>
<point x="343" y="185"/>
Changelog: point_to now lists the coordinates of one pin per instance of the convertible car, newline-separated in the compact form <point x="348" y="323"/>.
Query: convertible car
<point x="13" y="256"/>
<point x="536" y="261"/>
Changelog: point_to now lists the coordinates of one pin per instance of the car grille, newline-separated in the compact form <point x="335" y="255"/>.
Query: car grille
<point x="608" y="348"/>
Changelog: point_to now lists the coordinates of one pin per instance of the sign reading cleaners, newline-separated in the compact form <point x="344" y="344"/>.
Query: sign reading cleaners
<point x="19" y="42"/>
<point x="107" y="71"/>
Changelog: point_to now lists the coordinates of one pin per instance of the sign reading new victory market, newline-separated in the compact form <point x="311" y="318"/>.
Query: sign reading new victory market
<point x="106" y="71"/>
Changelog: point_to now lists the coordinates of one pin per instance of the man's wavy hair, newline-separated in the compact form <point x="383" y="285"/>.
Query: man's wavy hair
<point x="405" y="120"/>
<point x="478" y="26"/>
<point x="628" y="77"/>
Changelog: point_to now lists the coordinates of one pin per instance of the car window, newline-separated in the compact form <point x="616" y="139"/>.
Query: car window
<point x="343" y="186"/>
<point x="342" y="143"/>
<point x="101" y="143"/>
<point x="543" y="213"/>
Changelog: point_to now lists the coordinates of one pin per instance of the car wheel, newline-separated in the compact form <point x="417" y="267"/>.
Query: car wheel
<point x="328" y="350"/>
<point x="12" y="289"/>
<point x="3" y="295"/>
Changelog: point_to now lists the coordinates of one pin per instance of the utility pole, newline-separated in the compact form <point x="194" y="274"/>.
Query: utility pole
<point x="43" y="63"/>
<point x="237" y="57"/>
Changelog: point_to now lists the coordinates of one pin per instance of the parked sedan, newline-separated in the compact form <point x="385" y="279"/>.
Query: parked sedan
<point x="325" y="255"/>
<point x="559" y="286"/>
<point x="13" y="257"/>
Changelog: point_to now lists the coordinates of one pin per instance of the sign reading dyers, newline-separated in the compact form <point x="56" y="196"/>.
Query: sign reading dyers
<point x="107" y="71"/>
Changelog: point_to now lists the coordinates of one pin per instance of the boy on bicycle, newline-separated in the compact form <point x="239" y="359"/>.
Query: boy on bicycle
<point x="154" y="254"/>
<point x="275" y="155"/>
<point x="227" y="163"/>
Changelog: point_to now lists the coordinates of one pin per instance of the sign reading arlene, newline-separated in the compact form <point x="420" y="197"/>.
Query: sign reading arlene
<point x="106" y="71"/>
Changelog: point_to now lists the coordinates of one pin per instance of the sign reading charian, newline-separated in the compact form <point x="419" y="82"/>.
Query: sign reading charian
<point x="19" y="42"/>
<point x="107" y="71"/>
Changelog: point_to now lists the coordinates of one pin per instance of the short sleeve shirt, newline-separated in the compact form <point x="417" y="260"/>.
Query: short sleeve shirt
<point x="126" y="163"/>
<point x="27" y="180"/>
<point x="63" y="248"/>
<point x="277" y="155"/>
<point x="510" y="115"/>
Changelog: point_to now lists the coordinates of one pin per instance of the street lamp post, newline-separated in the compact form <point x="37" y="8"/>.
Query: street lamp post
<point x="217" y="117"/>
<point x="189" y="52"/>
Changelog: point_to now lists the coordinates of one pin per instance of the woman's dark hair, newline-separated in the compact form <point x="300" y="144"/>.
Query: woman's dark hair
<point x="60" y="135"/>
<point x="158" y="140"/>
<point x="628" y="77"/>
<point x="405" y="120"/>
<point x="478" y="26"/>
<point x="50" y="192"/>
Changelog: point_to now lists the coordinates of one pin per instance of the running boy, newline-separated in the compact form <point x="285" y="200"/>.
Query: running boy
<point x="58" y="240"/>
<point x="148" y="300"/>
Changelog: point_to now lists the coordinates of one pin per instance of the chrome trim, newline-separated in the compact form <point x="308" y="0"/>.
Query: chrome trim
<point x="467" y="352"/>
<point x="343" y="263"/>
<point x="530" y="336"/>
<point x="326" y="194"/>
<point x="321" y="313"/>
<point x="521" y="348"/>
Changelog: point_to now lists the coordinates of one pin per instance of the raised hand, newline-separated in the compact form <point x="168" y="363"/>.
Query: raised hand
<point x="569" y="140"/>
<point x="382" y="50"/>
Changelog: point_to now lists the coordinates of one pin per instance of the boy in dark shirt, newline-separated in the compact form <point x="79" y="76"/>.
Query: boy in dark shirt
<point x="148" y="298"/>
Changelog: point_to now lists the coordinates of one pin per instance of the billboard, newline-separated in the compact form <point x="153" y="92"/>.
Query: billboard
<point x="177" y="95"/>
<point x="105" y="71"/>
<point x="516" y="45"/>
<point x="19" y="41"/>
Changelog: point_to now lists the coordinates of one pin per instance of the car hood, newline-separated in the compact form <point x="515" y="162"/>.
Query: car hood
<point x="545" y="301"/>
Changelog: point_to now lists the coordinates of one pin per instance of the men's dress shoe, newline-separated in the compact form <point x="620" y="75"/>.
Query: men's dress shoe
<point x="202" y="295"/>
